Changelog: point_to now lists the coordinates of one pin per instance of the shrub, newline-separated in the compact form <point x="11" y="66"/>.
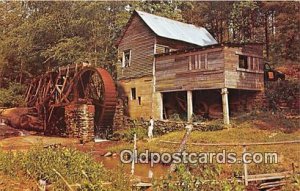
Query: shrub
<point x="13" y="96"/>
<point x="282" y="91"/>
<point x="78" y="169"/>
<point x="203" y="178"/>
<point x="128" y="134"/>
<point x="295" y="183"/>
<point x="175" y="117"/>
<point x="214" y="125"/>
<point x="198" y="118"/>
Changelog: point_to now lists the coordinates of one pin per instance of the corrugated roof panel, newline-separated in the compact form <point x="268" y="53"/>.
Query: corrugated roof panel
<point x="176" y="30"/>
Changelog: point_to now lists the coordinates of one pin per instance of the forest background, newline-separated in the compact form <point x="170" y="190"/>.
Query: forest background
<point x="37" y="36"/>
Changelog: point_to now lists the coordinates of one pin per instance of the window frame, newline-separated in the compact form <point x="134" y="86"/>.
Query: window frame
<point x="124" y="65"/>
<point x="196" y="61"/>
<point x="245" y="59"/>
<point x="254" y="63"/>
<point x="167" y="49"/>
<point x="133" y="93"/>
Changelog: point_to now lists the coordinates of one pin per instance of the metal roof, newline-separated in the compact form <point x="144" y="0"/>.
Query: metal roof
<point x="176" y="30"/>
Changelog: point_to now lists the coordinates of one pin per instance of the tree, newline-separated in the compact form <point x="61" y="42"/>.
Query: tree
<point x="214" y="16"/>
<point x="46" y="37"/>
<point x="169" y="9"/>
<point x="287" y="31"/>
<point x="36" y="36"/>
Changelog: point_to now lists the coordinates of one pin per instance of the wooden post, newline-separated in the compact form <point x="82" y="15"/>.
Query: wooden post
<point x="245" y="167"/>
<point x="225" y="105"/>
<point x="161" y="105"/>
<point x="182" y="146"/>
<point x="134" y="155"/>
<point x="189" y="105"/>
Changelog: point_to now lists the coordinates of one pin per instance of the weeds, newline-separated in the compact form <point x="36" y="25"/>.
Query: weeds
<point x="202" y="178"/>
<point x="268" y="121"/>
<point x="282" y="91"/>
<point x="61" y="167"/>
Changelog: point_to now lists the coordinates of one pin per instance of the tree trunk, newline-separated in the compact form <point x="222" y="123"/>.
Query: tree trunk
<point x="267" y="35"/>
<point x="21" y="72"/>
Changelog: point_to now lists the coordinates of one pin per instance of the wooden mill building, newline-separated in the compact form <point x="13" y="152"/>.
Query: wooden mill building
<point x="168" y="68"/>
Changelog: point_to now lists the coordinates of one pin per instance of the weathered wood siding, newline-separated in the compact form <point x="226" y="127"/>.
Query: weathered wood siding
<point x="140" y="40"/>
<point x="172" y="72"/>
<point x="172" y="44"/>
<point x="246" y="79"/>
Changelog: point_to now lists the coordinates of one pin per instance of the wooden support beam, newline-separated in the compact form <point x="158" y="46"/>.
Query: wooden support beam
<point x="161" y="106"/>
<point x="245" y="168"/>
<point x="225" y="106"/>
<point x="189" y="105"/>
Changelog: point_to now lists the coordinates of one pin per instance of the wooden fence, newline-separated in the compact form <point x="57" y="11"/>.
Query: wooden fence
<point x="249" y="178"/>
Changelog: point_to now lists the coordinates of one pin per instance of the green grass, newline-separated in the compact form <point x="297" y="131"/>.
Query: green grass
<point x="242" y="131"/>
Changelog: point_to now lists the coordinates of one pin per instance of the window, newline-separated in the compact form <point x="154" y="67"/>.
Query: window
<point x="250" y="63"/>
<point x="243" y="62"/>
<point x="140" y="100"/>
<point x="126" y="60"/>
<point x="133" y="94"/>
<point x="255" y="64"/>
<point x="198" y="62"/>
<point x="167" y="50"/>
<point x="203" y="61"/>
<point x="193" y="62"/>
<point x="260" y="64"/>
<point x="160" y="49"/>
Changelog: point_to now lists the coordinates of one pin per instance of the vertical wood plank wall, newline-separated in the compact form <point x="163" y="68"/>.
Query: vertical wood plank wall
<point x="240" y="78"/>
<point x="140" y="40"/>
<point x="173" y="74"/>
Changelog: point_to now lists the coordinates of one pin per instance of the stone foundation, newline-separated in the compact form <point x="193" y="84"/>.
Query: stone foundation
<point x="165" y="126"/>
<point x="79" y="120"/>
<point x="119" y="121"/>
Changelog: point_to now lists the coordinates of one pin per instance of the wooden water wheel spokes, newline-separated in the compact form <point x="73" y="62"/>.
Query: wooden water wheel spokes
<point x="96" y="86"/>
<point x="90" y="87"/>
<point x="74" y="85"/>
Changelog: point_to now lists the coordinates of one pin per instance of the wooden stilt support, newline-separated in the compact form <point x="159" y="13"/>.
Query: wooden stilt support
<point x="189" y="105"/>
<point x="161" y="103"/>
<point x="225" y="105"/>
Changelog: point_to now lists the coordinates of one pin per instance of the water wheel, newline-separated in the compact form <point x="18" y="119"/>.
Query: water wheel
<point x="71" y="85"/>
<point x="95" y="86"/>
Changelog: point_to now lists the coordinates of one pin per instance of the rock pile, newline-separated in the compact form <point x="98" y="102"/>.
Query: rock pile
<point x="162" y="127"/>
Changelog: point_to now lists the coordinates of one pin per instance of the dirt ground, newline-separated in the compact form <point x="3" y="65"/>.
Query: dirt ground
<point x="19" y="183"/>
<point x="15" y="139"/>
<point x="7" y="131"/>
